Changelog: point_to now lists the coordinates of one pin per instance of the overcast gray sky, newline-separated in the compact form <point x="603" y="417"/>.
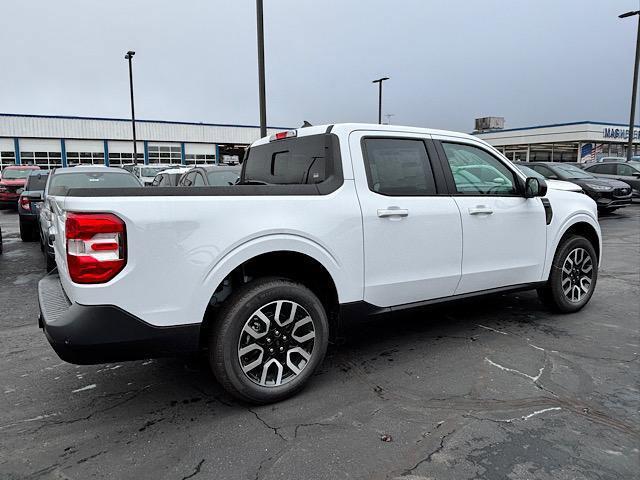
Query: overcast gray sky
<point x="533" y="62"/>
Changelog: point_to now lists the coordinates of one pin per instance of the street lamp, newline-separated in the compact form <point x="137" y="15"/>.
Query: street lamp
<point x="632" y="116"/>
<point x="379" y="82"/>
<point x="129" y="56"/>
<point x="261" y="87"/>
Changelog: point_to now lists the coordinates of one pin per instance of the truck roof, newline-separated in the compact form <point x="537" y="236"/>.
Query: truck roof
<point x="350" y="127"/>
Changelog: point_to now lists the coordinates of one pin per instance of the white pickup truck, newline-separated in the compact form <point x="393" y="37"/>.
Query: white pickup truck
<point x="327" y="221"/>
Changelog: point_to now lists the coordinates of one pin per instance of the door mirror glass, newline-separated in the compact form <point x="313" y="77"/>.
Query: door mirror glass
<point x="535" y="187"/>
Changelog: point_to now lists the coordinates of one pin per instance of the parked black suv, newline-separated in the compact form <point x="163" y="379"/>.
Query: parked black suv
<point x="29" y="204"/>
<point x="627" y="172"/>
<point x="609" y="194"/>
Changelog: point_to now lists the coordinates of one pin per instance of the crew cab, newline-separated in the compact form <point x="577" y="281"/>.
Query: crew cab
<point x="326" y="222"/>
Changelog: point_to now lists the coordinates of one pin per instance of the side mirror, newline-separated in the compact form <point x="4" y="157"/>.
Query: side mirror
<point x="535" y="187"/>
<point x="636" y="174"/>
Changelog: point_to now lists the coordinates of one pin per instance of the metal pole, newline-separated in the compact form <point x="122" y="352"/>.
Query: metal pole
<point x="380" y="103"/>
<point x="632" y="116"/>
<point x="133" y="110"/>
<point x="261" y="81"/>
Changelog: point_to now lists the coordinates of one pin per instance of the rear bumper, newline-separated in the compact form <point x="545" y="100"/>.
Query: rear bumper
<point x="84" y="334"/>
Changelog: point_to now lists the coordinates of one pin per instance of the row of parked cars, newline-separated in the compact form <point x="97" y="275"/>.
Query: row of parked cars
<point x="612" y="182"/>
<point x="30" y="189"/>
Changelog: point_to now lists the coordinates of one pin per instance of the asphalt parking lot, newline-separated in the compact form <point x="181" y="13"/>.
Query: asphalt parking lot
<point x="492" y="388"/>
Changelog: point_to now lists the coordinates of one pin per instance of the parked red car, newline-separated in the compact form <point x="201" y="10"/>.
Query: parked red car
<point x="13" y="179"/>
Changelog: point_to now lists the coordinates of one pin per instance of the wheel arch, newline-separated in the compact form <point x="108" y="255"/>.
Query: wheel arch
<point x="286" y="256"/>
<point x="580" y="224"/>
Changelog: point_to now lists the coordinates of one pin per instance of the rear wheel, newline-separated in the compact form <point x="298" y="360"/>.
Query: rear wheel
<point x="573" y="275"/>
<point x="268" y="339"/>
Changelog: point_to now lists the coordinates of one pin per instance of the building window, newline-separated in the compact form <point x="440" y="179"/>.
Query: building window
<point x="164" y="154"/>
<point x="119" y="159"/>
<point x="85" y="158"/>
<point x="193" y="159"/>
<point x="7" y="158"/>
<point x="42" y="159"/>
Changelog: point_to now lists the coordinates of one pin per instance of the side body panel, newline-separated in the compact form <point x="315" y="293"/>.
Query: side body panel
<point x="412" y="258"/>
<point x="180" y="248"/>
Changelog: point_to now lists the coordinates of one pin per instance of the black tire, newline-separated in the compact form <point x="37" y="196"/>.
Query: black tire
<point x="553" y="294"/>
<point x="49" y="262"/>
<point x="27" y="232"/>
<point x="0" y="241"/>
<point x="227" y="334"/>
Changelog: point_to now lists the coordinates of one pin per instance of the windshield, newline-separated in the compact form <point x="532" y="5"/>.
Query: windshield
<point x="529" y="172"/>
<point x="16" y="174"/>
<point x="151" y="171"/>
<point x="571" y="171"/>
<point x="37" y="181"/>
<point x="62" y="182"/>
<point x="223" y="178"/>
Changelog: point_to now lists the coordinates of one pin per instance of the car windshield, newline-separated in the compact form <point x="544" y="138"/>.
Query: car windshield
<point x="529" y="172"/>
<point x="571" y="171"/>
<point x="37" y="181"/>
<point x="223" y="178"/>
<point x="151" y="171"/>
<point x="62" y="182"/>
<point x="16" y="174"/>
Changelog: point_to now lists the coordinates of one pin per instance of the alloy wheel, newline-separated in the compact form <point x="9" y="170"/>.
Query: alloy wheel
<point x="276" y="343"/>
<point x="577" y="274"/>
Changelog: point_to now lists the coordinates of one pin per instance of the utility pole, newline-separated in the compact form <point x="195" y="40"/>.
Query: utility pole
<point x="632" y="116"/>
<point x="129" y="56"/>
<point x="261" y="81"/>
<point x="379" y="82"/>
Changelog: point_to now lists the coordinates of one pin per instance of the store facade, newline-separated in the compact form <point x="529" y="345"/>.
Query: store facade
<point x="563" y="142"/>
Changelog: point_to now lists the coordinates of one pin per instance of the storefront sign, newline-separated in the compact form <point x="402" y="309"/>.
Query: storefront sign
<point x="619" y="133"/>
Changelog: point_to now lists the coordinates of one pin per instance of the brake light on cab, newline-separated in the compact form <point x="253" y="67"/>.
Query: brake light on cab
<point x="283" y="135"/>
<point x="96" y="246"/>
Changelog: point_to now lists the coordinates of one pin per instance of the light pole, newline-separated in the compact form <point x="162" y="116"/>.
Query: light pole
<point x="379" y="82"/>
<point x="389" y="115"/>
<point x="129" y="56"/>
<point x="261" y="87"/>
<point x="632" y="116"/>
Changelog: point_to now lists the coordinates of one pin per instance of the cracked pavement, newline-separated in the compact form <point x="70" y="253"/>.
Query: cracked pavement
<point x="490" y="388"/>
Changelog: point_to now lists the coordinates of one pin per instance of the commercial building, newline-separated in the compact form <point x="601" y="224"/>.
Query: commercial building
<point x="56" y="141"/>
<point x="561" y="142"/>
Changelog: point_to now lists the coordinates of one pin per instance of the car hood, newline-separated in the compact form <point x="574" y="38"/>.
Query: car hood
<point x="562" y="185"/>
<point x="18" y="182"/>
<point x="606" y="182"/>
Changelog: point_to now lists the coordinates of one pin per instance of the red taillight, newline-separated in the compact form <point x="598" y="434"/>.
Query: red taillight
<point x="96" y="246"/>
<point x="25" y="203"/>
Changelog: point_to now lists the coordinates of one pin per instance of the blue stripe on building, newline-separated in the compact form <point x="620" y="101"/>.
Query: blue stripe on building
<point x="146" y="153"/>
<point x="16" y="148"/>
<point x="106" y="153"/>
<point x="63" y="152"/>
<point x="217" y="154"/>
<point x="183" y="157"/>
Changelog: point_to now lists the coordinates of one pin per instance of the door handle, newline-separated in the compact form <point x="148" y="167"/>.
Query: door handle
<point x="392" y="212"/>
<point x="480" y="210"/>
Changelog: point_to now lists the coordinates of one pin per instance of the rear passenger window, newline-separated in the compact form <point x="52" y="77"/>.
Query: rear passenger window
<point x="398" y="167"/>
<point x="606" y="169"/>
<point x="292" y="161"/>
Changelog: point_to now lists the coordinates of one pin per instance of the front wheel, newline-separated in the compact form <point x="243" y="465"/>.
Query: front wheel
<point x="573" y="276"/>
<point x="268" y="339"/>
